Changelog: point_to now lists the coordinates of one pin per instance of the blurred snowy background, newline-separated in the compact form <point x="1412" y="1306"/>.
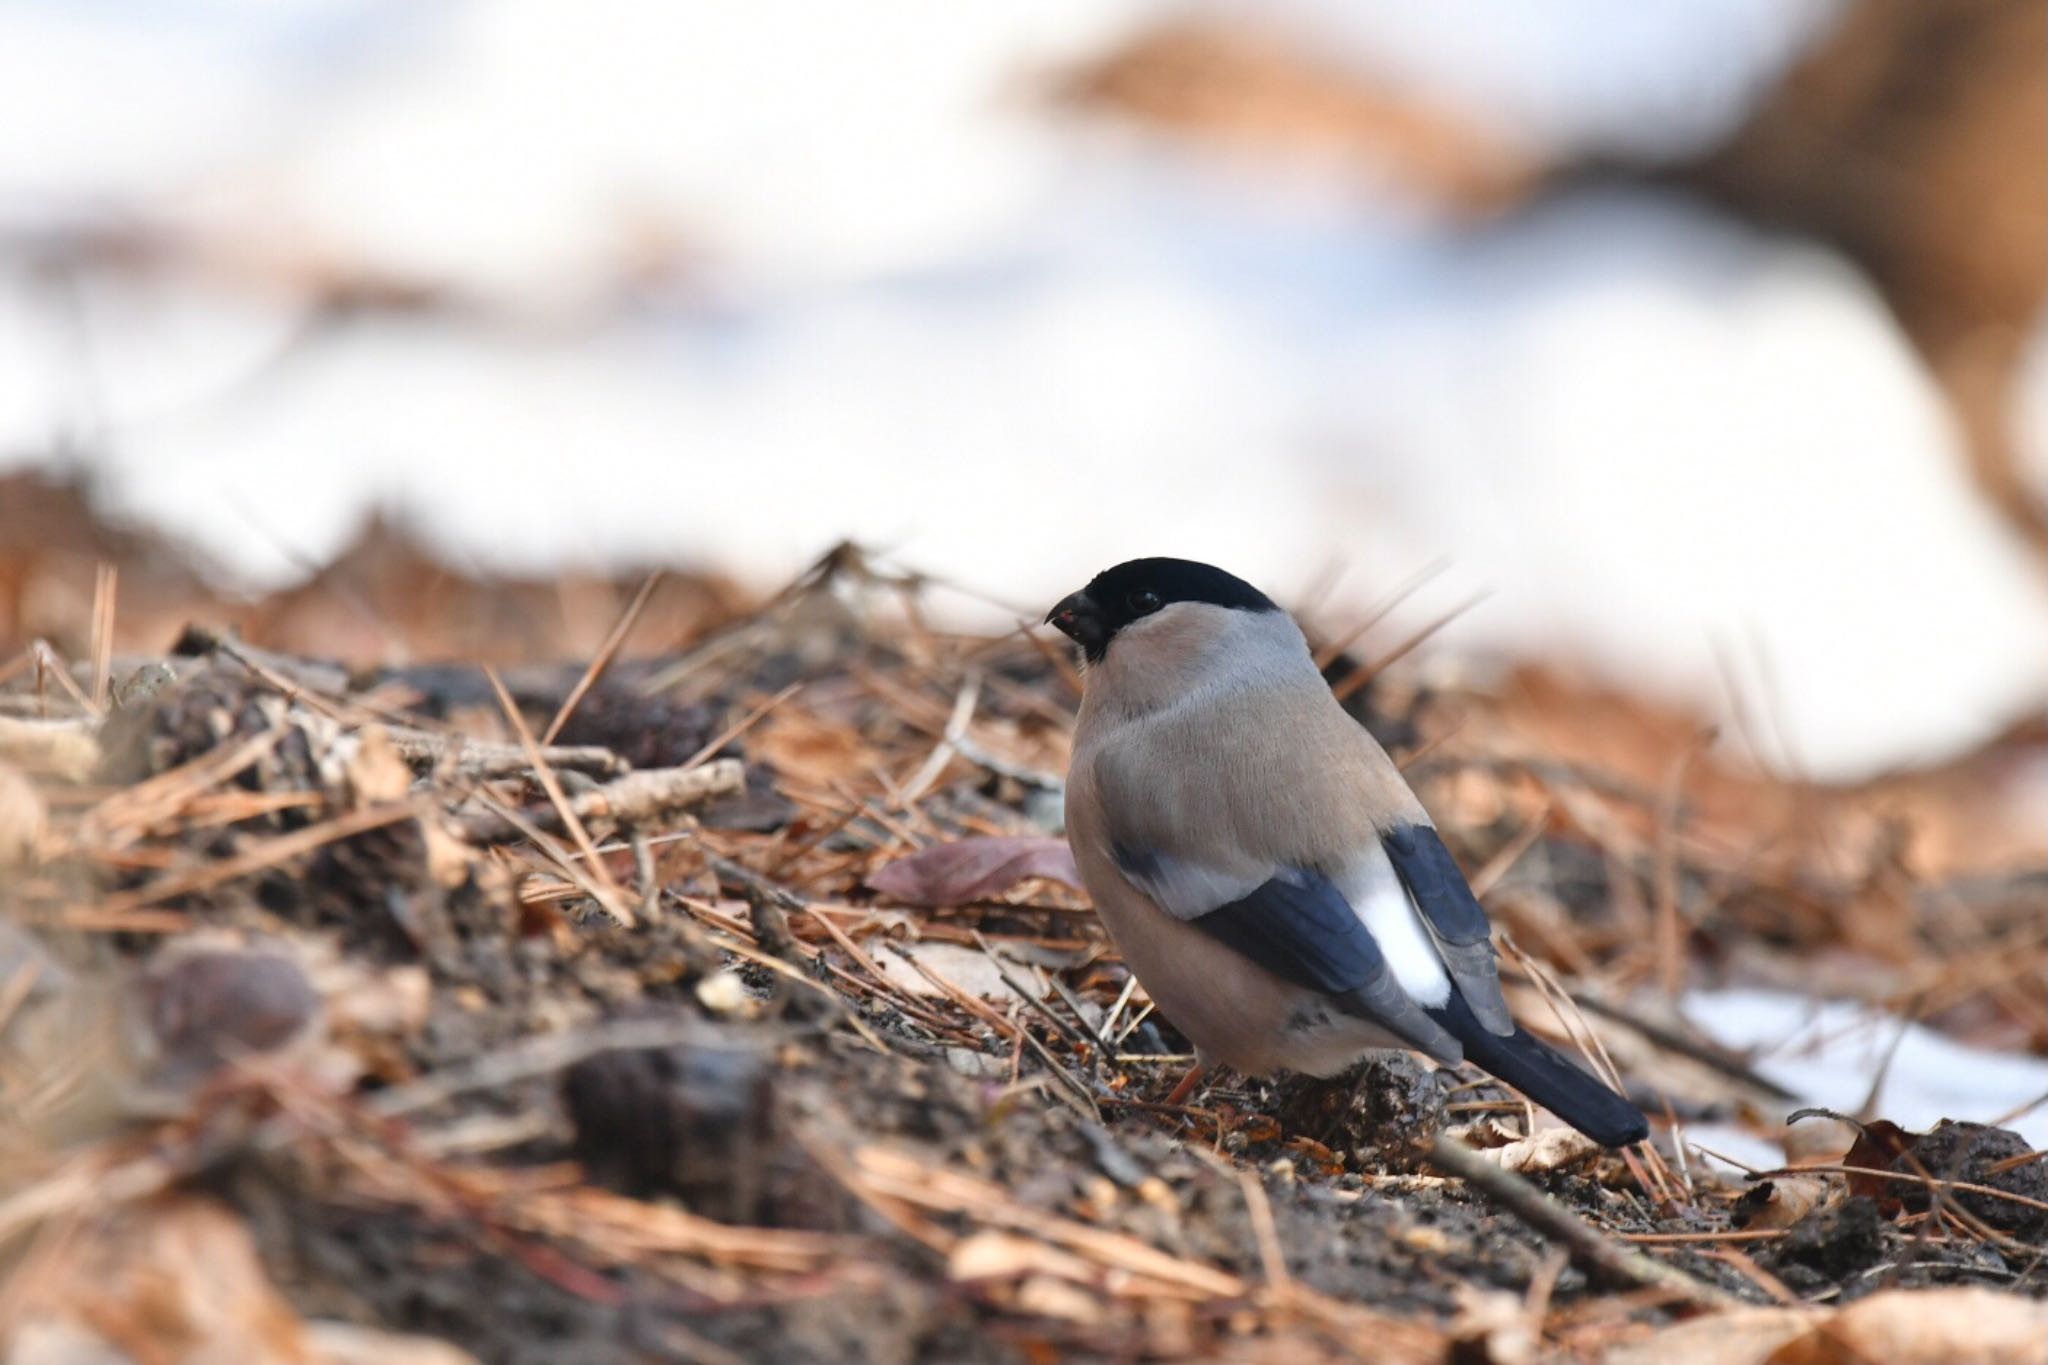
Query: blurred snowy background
<point x="1702" y="338"/>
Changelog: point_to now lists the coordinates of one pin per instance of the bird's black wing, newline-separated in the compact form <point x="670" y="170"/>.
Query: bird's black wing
<point x="1298" y="926"/>
<point x="1455" y="919"/>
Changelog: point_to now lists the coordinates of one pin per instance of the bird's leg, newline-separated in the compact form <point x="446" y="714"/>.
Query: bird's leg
<point x="1187" y="1085"/>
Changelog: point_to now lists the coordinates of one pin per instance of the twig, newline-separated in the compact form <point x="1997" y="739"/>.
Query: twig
<point x="1503" y="862"/>
<point x="541" y="1055"/>
<point x="106" y="580"/>
<point x="1260" y="1210"/>
<point x="1754" y="1273"/>
<point x="2013" y="1163"/>
<point x="918" y="1183"/>
<point x="741" y="726"/>
<point x="49" y="663"/>
<point x="727" y="935"/>
<point x="636" y="798"/>
<point x="1358" y="681"/>
<point x="747" y="879"/>
<point x="488" y="759"/>
<point x="1587" y="1245"/>
<point x="1004" y="1028"/>
<point x="602" y="659"/>
<point x="949" y="743"/>
<point x="1102" y="1047"/>
<point x="1932" y="1182"/>
<point x="1408" y="587"/>
<point x="564" y="861"/>
<point x="644" y="868"/>
<point x="291" y="689"/>
<point x="611" y="899"/>
<point x="1669" y="940"/>
<point x="1024" y="992"/>
<point x="1707" y="1054"/>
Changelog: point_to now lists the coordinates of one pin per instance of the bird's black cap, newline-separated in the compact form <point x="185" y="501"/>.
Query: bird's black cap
<point x="1136" y="588"/>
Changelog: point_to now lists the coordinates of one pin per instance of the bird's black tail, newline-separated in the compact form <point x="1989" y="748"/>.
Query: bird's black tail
<point x="1539" y="1071"/>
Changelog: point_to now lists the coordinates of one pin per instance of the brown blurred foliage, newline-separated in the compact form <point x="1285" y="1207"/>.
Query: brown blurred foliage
<point x="1914" y="138"/>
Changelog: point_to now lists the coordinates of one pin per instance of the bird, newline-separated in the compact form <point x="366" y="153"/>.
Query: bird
<point x="1262" y="866"/>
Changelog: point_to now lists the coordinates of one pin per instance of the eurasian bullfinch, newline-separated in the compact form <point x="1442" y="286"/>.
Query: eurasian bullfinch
<point x="1261" y="864"/>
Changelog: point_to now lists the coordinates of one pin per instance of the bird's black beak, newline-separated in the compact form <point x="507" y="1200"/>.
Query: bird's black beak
<point x="1076" y="618"/>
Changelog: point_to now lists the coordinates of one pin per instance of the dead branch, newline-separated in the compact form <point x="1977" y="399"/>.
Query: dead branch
<point x="1597" y="1253"/>
<point x="636" y="798"/>
<point x="484" y="759"/>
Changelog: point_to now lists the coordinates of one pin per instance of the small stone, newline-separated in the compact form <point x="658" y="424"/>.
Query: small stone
<point x="204" y="1008"/>
<point x="724" y="993"/>
<point x="693" y="1119"/>
<point x="1833" y="1243"/>
<point x="1967" y="1152"/>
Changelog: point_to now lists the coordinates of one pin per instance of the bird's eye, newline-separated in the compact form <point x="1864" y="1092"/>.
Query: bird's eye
<point x="1142" y="603"/>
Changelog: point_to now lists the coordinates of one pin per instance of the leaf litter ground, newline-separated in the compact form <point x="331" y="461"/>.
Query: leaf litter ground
<point x="730" y="1002"/>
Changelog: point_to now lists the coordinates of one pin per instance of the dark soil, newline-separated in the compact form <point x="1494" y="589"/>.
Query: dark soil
<point x="775" y="1088"/>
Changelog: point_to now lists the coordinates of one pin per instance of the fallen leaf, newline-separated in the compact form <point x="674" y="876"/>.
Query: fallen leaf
<point x="21" y="818"/>
<point x="1745" y="1336"/>
<point x="1819" y="1141"/>
<point x="344" y="1343"/>
<point x="1042" y="1296"/>
<point x="66" y="749"/>
<point x="1878" y="1144"/>
<point x="1004" y="1255"/>
<point x="1493" y="1326"/>
<point x="175" y="1279"/>
<point x="1547" y="1149"/>
<point x="1926" y="1327"/>
<point x="1782" y="1200"/>
<point x="1897" y="1326"/>
<point x="970" y="969"/>
<point x="974" y="869"/>
<point x="376" y="773"/>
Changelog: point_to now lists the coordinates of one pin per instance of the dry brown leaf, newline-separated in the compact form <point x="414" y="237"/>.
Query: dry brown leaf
<point x="1494" y="1326"/>
<point x="1043" y="1296"/>
<point x="392" y="1002"/>
<point x="174" y="1281"/>
<point x="1746" y="1336"/>
<point x="1898" y="1327"/>
<point x="1926" y="1327"/>
<point x="178" y="1282"/>
<point x="992" y="1255"/>
<point x="1047" y="1281"/>
<point x="1879" y="1143"/>
<point x="1783" y="1200"/>
<point x="974" y="869"/>
<point x="970" y="969"/>
<point x="66" y="749"/>
<point x="376" y="774"/>
<point x="1547" y="1149"/>
<point x="450" y="859"/>
<point x="1819" y="1141"/>
<point x="344" y="1343"/>
<point x="22" y="818"/>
